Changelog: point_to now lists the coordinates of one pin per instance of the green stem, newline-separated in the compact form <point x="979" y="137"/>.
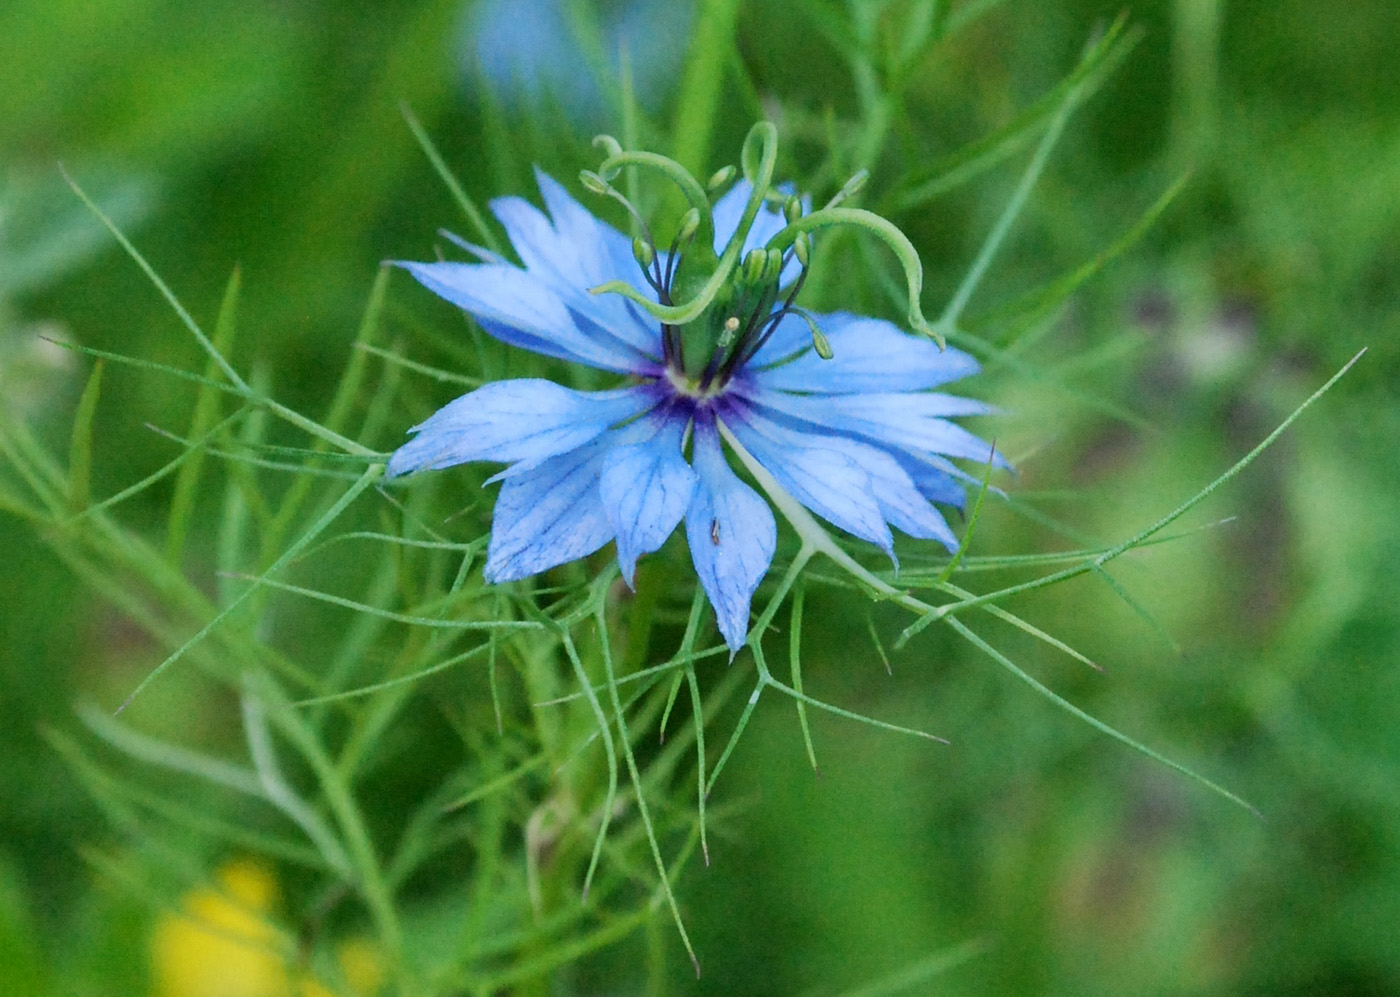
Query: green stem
<point x="886" y="231"/>
<point x="947" y="322"/>
<point x="713" y="36"/>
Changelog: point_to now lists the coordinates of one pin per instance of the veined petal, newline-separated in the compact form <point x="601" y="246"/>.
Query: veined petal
<point x="817" y="474"/>
<point x="522" y="420"/>
<point x="894" y="421"/>
<point x="523" y="310"/>
<point x="533" y="237"/>
<point x="868" y="355"/>
<point x="732" y="535"/>
<point x="547" y="516"/>
<point x="937" y="479"/>
<point x="574" y="253"/>
<point x="901" y="502"/>
<point x="575" y="225"/>
<point x="646" y="488"/>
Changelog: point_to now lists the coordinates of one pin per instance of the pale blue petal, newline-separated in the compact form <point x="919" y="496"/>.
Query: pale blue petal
<point x="577" y="252"/>
<point x="646" y="489"/>
<point x="535" y="242"/>
<point x="576" y="227"/>
<point x="482" y="254"/>
<point x="548" y="516"/>
<point x="900" y="500"/>
<point x="732" y="536"/>
<point x="868" y="355"/>
<point x="523" y="310"/>
<point x="937" y="479"/>
<point x="893" y="421"/>
<point x="819" y="475"/>
<point x="520" y="420"/>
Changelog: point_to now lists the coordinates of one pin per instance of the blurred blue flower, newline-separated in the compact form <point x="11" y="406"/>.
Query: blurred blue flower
<point x="859" y="439"/>
<point x="532" y="51"/>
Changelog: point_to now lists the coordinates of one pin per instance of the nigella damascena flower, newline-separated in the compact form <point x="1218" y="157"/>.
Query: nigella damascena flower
<point x="860" y="438"/>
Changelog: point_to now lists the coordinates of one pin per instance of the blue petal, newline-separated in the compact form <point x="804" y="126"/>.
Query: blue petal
<point x="936" y="478"/>
<point x="521" y="420"/>
<point x="901" y="502"/>
<point x="523" y="310"/>
<point x="575" y="226"/>
<point x="646" y="489"/>
<point x="575" y="253"/>
<point x="816" y="473"/>
<point x="894" y="421"/>
<point x="547" y="516"/>
<point x="732" y="536"/>
<point x="868" y="355"/>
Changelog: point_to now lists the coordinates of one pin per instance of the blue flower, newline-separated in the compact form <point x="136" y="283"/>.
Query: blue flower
<point x="860" y="438"/>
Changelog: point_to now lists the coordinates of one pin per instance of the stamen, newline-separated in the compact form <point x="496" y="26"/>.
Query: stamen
<point x="819" y="341"/>
<point x="731" y="331"/>
<point x="596" y="184"/>
<point x="720" y="179"/>
<point x="757" y="158"/>
<point x="756" y="343"/>
<point x="755" y="265"/>
<point x="802" y="249"/>
<point x="853" y="187"/>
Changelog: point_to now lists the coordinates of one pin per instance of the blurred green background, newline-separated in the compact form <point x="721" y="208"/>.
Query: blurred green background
<point x="269" y="135"/>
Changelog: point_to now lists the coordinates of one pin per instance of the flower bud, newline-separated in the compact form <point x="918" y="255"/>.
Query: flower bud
<point x="643" y="252"/>
<point x="792" y="209"/>
<point x="592" y="182"/>
<point x="690" y="221"/>
<point x="820" y="343"/>
<point x="721" y="177"/>
<point x="852" y="187"/>
<point x="774" y="269"/>
<point x="802" y="249"/>
<point x="729" y="333"/>
<point x="755" y="266"/>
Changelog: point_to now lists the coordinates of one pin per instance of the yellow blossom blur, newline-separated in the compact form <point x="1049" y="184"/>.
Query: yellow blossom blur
<point x="223" y="944"/>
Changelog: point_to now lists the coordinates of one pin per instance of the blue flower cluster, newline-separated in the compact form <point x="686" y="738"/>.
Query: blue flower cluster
<point x="859" y="438"/>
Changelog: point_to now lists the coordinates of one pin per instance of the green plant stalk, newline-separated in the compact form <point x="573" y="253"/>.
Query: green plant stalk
<point x="712" y="40"/>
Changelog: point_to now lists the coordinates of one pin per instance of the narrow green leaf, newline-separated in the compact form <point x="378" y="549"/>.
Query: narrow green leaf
<point x="206" y="408"/>
<point x="80" y="449"/>
<point x="459" y="194"/>
<point x="160" y="285"/>
<point x="799" y="594"/>
<point x="1142" y="612"/>
<point x="977" y="158"/>
<point x="1037" y="305"/>
<point x="169" y="756"/>
<point x="371" y="475"/>
<point x="643" y="811"/>
<point x="436" y="373"/>
<point x="1093" y="721"/>
<point x="948" y="321"/>
<point x="609" y="749"/>
<point x="921" y="972"/>
<point x="698" y="104"/>
<point x="433" y="622"/>
<point x="947" y="572"/>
